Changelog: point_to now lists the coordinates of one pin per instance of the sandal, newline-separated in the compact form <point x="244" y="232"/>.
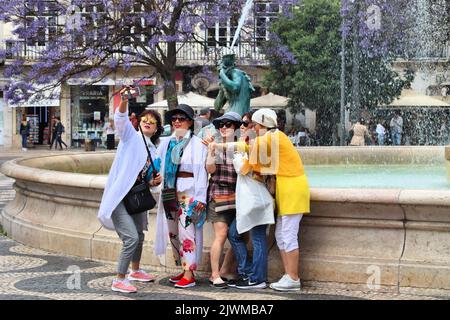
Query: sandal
<point x="218" y="283"/>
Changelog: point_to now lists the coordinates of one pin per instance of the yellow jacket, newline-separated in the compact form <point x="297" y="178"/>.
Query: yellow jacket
<point x="274" y="153"/>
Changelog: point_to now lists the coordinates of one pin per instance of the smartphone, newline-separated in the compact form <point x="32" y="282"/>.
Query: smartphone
<point x="132" y="92"/>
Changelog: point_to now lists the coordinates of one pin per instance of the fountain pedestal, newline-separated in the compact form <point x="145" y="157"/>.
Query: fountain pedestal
<point x="395" y="240"/>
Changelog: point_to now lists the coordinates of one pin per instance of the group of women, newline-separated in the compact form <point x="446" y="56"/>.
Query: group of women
<point x="197" y="179"/>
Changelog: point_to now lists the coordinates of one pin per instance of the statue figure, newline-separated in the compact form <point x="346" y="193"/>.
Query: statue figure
<point x="235" y="87"/>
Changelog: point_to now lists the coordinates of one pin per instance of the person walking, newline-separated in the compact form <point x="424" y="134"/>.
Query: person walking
<point x="182" y="204"/>
<point x="396" y="125"/>
<point x="132" y="164"/>
<point x="24" y="132"/>
<point x="59" y="131"/>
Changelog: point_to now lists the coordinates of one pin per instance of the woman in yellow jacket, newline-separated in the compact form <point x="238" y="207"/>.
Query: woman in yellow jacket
<point x="272" y="153"/>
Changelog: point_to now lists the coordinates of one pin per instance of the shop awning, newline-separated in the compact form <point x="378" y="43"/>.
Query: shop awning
<point x="410" y="98"/>
<point x="269" y="100"/>
<point x="88" y="81"/>
<point x="46" y="98"/>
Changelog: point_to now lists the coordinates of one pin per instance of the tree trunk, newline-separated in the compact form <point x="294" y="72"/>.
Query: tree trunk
<point x="170" y="89"/>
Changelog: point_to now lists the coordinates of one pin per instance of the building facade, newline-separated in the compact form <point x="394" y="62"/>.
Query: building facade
<point x="84" y="109"/>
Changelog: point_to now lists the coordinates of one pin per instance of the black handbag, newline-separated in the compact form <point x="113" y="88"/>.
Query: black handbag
<point x="139" y="198"/>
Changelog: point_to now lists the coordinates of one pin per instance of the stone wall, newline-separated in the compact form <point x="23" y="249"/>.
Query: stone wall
<point x="351" y="237"/>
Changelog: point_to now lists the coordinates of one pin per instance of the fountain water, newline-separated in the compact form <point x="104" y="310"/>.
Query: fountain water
<point x="245" y="13"/>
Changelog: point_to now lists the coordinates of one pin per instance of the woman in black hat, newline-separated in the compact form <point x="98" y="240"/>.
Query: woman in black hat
<point x="182" y="205"/>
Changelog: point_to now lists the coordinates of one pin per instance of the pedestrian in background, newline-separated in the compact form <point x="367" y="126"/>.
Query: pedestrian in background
<point x="396" y="125"/>
<point x="110" y="136"/>
<point x="360" y="132"/>
<point x="24" y="132"/>
<point x="59" y="131"/>
<point x="381" y="133"/>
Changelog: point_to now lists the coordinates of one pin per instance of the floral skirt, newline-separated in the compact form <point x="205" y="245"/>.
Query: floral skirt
<point x="182" y="234"/>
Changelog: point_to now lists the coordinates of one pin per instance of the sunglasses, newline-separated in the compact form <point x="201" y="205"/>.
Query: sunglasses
<point x="225" y="124"/>
<point x="246" y="123"/>
<point x="180" y="119"/>
<point x="149" y="120"/>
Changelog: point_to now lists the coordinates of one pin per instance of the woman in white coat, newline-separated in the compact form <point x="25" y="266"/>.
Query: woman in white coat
<point x="131" y="165"/>
<point x="182" y="205"/>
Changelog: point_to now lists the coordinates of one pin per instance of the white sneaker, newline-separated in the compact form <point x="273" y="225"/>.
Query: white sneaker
<point x="286" y="284"/>
<point x="24" y="149"/>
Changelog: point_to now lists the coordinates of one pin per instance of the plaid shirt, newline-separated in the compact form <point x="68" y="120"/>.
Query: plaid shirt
<point x="223" y="181"/>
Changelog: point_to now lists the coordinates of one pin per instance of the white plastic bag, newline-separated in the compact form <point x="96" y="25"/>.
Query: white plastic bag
<point x="254" y="204"/>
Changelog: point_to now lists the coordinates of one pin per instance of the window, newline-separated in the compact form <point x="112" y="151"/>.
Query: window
<point x="221" y="35"/>
<point x="264" y="13"/>
<point x="46" y="16"/>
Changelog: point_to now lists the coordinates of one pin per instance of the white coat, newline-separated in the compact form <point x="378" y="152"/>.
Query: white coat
<point x="193" y="159"/>
<point x="130" y="158"/>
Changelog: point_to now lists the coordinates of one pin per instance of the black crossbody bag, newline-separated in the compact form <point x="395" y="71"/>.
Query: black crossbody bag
<point x="139" y="198"/>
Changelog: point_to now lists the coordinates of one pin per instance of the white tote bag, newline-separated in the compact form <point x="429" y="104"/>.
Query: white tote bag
<point x="254" y="204"/>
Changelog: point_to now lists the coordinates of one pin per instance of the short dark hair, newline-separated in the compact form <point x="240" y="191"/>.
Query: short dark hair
<point x="160" y="128"/>
<point x="248" y="115"/>
<point x="204" y="111"/>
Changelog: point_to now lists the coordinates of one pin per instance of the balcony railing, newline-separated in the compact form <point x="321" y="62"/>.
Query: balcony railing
<point x="190" y="53"/>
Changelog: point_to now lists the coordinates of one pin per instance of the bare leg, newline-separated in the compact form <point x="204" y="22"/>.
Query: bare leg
<point x="221" y="231"/>
<point x="291" y="265"/>
<point x="135" y="266"/>
<point x="284" y="260"/>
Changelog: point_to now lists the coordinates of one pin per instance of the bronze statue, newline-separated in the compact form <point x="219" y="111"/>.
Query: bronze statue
<point x="235" y="87"/>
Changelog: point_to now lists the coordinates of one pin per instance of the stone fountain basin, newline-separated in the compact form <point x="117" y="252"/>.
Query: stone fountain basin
<point x="394" y="240"/>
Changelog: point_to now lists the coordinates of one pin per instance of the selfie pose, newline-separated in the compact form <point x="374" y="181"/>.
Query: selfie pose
<point x="133" y="169"/>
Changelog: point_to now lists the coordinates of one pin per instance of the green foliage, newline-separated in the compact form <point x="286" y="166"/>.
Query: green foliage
<point x="313" y="35"/>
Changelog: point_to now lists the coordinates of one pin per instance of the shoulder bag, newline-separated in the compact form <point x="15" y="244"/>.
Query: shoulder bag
<point x="139" y="198"/>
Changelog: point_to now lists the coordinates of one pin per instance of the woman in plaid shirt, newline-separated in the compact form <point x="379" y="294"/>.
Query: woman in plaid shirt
<point x="222" y="188"/>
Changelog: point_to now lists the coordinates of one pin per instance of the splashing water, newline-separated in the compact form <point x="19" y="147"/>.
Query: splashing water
<point x="245" y="13"/>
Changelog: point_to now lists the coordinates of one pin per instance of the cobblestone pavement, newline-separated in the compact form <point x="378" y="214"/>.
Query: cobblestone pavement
<point x="31" y="274"/>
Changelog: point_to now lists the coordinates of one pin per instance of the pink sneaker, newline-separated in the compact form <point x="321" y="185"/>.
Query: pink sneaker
<point x="141" y="276"/>
<point x="123" y="286"/>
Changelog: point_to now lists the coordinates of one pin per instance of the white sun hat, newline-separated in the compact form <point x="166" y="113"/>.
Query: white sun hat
<point x="265" y="117"/>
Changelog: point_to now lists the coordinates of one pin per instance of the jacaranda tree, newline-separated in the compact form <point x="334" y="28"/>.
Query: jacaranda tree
<point x="94" y="38"/>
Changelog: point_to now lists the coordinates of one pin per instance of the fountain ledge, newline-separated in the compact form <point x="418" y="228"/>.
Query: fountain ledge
<point x="403" y="234"/>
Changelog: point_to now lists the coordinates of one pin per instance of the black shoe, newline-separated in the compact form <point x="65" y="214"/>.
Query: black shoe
<point x="234" y="282"/>
<point x="251" y="285"/>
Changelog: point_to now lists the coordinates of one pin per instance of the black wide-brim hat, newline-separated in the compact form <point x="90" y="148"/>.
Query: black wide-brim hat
<point x="181" y="108"/>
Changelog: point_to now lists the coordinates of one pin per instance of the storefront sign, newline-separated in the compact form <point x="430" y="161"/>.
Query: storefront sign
<point x="93" y="92"/>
